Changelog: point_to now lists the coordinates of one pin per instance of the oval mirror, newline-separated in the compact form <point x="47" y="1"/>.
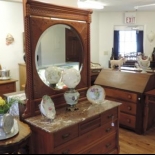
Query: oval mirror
<point x="58" y="48"/>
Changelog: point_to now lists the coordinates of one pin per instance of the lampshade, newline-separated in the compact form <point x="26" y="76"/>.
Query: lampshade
<point x="151" y="36"/>
<point x="71" y="77"/>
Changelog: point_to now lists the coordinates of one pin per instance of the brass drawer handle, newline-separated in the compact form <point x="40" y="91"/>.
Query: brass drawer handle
<point x="107" y="130"/>
<point x="128" y="120"/>
<point x="110" y="116"/>
<point x="108" y="145"/>
<point x="65" y="135"/>
<point x="66" y="152"/>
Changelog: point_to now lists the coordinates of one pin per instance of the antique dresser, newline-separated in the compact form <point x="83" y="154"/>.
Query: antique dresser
<point x="92" y="128"/>
<point x="128" y="88"/>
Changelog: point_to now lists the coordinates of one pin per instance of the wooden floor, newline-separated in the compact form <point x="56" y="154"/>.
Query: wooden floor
<point x="132" y="143"/>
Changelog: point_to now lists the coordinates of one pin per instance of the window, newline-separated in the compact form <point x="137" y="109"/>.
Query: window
<point x="127" y="43"/>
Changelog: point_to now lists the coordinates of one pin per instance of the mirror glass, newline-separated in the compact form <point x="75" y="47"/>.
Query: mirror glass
<point x="59" y="47"/>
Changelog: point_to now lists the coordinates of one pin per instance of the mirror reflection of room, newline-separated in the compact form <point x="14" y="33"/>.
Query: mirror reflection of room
<point x="58" y="46"/>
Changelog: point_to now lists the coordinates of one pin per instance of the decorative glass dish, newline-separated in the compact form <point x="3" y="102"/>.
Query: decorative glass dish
<point x="96" y="94"/>
<point x="47" y="107"/>
<point x="14" y="131"/>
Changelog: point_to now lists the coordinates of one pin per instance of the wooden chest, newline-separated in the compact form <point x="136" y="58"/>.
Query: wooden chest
<point x="91" y="129"/>
<point x="128" y="88"/>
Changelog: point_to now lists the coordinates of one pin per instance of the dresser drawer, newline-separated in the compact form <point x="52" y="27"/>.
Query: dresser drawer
<point x="120" y="94"/>
<point x="65" y="135"/>
<point x="7" y="88"/>
<point x="102" y="147"/>
<point x="89" y="124"/>
<point x="129" y="108"/>
<point x="127" y="120"/>
<point x="84" y="140"/>
<point x="109" y="115"/>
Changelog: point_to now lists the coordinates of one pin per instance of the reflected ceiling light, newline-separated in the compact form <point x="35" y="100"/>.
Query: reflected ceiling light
<point x="141" y="6"/>
<point x="90" y="4"/>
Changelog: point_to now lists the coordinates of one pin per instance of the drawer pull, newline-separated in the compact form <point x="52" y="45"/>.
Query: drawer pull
<point x="66" y="152"/>
<point x="65" y="135"/>
<point x="129" y="108"/>
<point x="107" y="130"/>
<point x="110" y="116"/>
<point x="128" y="120"/>
<point x="129" y="96"/>
<point x="108" y="145"/>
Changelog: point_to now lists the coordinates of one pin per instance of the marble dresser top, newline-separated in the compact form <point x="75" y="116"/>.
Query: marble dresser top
<point x="65" y="118"/>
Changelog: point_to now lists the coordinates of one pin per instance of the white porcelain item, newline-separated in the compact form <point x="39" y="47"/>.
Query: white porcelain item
<point x="71" y="77"/>
<point x="47" y="107"/>
<point x="71" y="96"/>
<point x="53" y="74"/>
<point x="96" y="94"/>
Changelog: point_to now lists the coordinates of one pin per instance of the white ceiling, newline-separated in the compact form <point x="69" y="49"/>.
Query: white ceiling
<point x="110" y="5"/>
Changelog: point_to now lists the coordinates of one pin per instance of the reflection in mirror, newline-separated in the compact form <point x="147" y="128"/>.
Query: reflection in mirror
<point x="58" y="46"/>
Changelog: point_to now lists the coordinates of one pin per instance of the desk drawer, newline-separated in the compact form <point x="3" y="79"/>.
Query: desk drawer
<point x="120" y="94"/>
<point x="102" y="147"/>
<point x="90" y="124"/>
<point x="129" y="108"/>
<point x="65" y="135"/>
<point x="91" y="137"/>
<point x="7" y="88"/>
<point x="127" y="120"/>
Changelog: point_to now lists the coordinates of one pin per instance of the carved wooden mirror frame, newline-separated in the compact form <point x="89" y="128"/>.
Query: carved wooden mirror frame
<point x="38" y="14"/>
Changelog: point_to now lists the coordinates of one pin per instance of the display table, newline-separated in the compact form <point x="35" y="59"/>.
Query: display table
<point x="20" y="141"/>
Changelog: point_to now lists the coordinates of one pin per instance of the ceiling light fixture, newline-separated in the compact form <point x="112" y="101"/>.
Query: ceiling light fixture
<point x="136" y="7"/>
<point x="90" y="4"/>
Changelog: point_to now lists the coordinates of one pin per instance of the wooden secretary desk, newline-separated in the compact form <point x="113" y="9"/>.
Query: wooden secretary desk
<point x="92" y="128"/>
<point x="129" y="88"/>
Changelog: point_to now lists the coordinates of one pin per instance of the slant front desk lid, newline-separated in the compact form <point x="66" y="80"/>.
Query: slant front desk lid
<point x="130" y="81"/>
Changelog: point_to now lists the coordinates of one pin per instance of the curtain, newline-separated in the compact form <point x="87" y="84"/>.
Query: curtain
<point x="116" y="44"/>
<point x="139" y="38"/>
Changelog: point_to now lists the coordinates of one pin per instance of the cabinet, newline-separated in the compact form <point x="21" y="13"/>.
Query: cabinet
<point x="22" y="75"/>
<point x="128" y="88"/>
<point x="7" y="86"/>
<point x="91" y="129"/>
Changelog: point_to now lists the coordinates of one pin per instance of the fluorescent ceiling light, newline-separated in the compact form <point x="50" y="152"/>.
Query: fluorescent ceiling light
<point x="140" y="6"/>
<point x="90" y="4"/>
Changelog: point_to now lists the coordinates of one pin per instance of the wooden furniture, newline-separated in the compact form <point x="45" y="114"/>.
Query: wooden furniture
<point x="22" y="76"/>
<point x="87" y="130"/>
<point x="18" y="142"/>
<point x="37" y="19"/>
<point x="7" y="86"/>
<point x="128" y="88"/>
<point x="94" y="75"/>
<point x="149" y="110"/>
